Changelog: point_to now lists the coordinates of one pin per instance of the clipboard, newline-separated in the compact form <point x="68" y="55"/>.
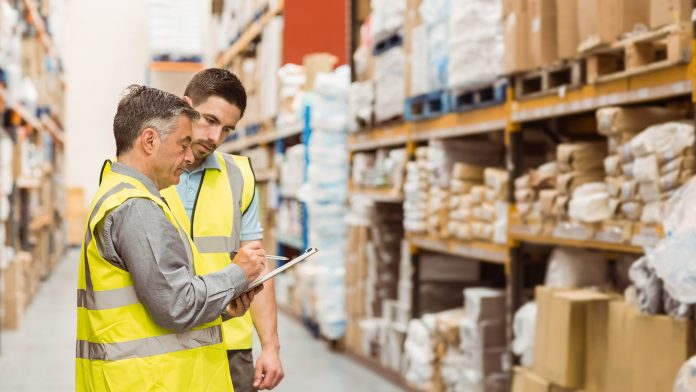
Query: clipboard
<point x="309" y="252"/>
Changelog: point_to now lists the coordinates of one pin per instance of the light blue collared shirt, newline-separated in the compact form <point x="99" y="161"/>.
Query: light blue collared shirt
<point x="190" y="182"/>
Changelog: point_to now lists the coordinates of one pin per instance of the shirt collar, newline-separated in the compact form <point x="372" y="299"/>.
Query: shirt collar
<point x="210" y="162"/>
<point x="126" y="170"/>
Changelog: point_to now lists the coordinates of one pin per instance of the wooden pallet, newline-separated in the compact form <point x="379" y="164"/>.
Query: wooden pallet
<point x="639" y="54"/>
<point x="478" y="97"/>
<point x="426" y="106"/>
<point x="568" y="74"/>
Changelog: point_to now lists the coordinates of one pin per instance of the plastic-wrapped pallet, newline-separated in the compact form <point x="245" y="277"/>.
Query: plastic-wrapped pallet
<point x="291" y="169"/>
<point x="387" y="18"/>
<point x="291" y="77"/>
<point x="362" y="99"/>
<point x="390" y="91"/>
<point x="269" y="62"/>
<point x="175" y="28"/>
<point x="476" y="42"/>
<point x="325" y="195"/>
<point x="435" y="17"/>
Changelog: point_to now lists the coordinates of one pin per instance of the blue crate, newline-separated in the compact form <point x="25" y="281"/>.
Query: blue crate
<point x="466" y="99"/>
<point x="426" y="106"/>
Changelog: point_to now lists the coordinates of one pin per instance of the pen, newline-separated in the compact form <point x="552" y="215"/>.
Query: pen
<point x="272" y="257"/>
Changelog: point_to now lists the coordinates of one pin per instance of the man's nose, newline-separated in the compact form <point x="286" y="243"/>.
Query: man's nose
<point x="188" y="155"/>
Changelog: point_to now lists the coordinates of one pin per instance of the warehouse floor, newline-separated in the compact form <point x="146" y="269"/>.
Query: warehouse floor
<point x="40" y="356"/>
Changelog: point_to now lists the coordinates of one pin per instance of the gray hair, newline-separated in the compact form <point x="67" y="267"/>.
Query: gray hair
<point x="144" y="107"/>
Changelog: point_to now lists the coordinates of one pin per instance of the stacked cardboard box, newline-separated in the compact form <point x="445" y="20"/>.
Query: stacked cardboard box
<point x="437" y="212"/>
<point x="591" y="341"/>
<point x="441" y="279"/>
<point x="356" y="275"/>
<point x="603" y="22"/>
<point x="535" y="194"/>
<point x="570" y="344"/>
<point x="464" y="179"/>
<point x="460" y="349"/>
<point x="383" y="256"/>
<point x="538" y="33"/>
<point x="18" y="285"/>
<point x="467" y="199"/>
<point x="416" y="192"/>
<point x="656" y="162"/>
<point x="482" y="339"/>
<point x="578" y="164"/>
<point x="643" y="353"/>
<point x="381" y="169"/>
<point x="620" y="125"/>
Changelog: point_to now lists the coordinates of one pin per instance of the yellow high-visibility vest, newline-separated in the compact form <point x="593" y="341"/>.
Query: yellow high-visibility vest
<point x="119" y="345"/>
<point x="215" y="226"/>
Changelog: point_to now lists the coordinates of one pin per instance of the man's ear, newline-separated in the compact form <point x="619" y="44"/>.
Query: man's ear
<point x="149" y="140"/>
<point x="188" y="100"/>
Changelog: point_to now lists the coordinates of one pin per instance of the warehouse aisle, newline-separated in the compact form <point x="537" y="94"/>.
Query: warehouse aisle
<point x="40" y="356"/>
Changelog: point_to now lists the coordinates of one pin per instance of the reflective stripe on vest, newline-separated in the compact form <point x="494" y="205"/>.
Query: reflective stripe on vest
<point x="148" y="347"/>
<point x="115" y="328"/>
<point x="217" y="224"/>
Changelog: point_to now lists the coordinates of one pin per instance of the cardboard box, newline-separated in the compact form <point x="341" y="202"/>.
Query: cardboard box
<point x="517" y="38"/>
<point x="485" y="304"/>
<point x="543" y="32"/>
<point x="597" y="345"/>
<point x="603" y="21"/>
<point x="561" y="336"/>
<point x="645" y="352"/>
<point x="524" y="380"/>
<point x="629" y="122"/>
<point x="568" y="34"/>
<point x="14" y="293"/>
<point x="667" y="12"/>
<point x="581" y="157"/>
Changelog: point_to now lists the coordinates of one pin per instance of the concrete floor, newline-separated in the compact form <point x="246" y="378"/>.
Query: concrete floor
<point x="40" y="356"/>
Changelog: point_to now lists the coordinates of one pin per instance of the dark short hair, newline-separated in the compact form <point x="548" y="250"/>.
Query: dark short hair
<point x="144" y="107"/>
<point x="217" y="82"/>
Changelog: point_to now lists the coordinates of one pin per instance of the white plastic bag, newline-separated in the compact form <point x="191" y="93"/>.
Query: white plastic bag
<point x="524" y="328"/>
<point x="673" y="261"/>
<point x="686" y="379"/>
<point x="680" y="211"/>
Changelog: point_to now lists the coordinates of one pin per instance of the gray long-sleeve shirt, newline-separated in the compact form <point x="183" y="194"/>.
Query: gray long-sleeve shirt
<point x="138" y="237"/>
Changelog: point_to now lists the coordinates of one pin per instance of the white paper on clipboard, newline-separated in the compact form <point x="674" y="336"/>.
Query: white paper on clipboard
<point x="286" y="266"/>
